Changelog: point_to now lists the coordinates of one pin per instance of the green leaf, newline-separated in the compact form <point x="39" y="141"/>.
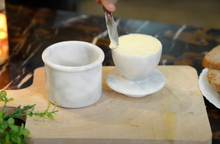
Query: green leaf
<point x="55" y="104"/>
<point x="4" y="125"/>
<point x="41" y="114"/>
<point x="22" y="126"/>
<point x="4" y="114"/>
<point x="26" y="132"/>
<point x="18" y="108"/>
<point x="3" y="93"/>
<point x="1" y="130"/>
<point x="8" y="142"/>
<point x="33" y="106"/>
<point x="11" y="99"/>
<point x="18" y="140"/>
<point x="20" y="129"/>
<point x="2" y="141"/>
<point x="30" y="114"/>
<point x="14" y="138"/>
<point x="7" y="137"/>
<point x="50" y="116"/>
<point x="1" y="120"/>
<point x="11" y="121"/>
<point x="48" y="106"/>
<point x="14" y="128"/>
<point x="1" y="113"/>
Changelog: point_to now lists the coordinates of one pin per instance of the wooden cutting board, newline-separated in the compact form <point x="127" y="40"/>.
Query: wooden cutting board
<point x="174" y="115"/>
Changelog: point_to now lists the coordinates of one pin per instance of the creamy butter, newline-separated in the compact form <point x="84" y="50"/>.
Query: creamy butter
<point x="138" y="44"/>
<point x="112" y="46"/>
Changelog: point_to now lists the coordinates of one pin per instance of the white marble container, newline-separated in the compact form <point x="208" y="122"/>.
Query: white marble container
<point x="137" y="68"/>
<point x="73" y="71"/>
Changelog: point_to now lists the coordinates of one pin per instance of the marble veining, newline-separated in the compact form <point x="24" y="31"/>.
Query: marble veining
<point x="104" y="33"/>
<point x="31" y="55"/>
<point x="3" y="68"/>
<point x="74" y="19"/>
<point x="28" y="49"/>
<point x="142" y="26"/>
<point x="24" y="80"/>
<point x="176" y="35"/>
<point x="164" y="61"/>
<point x="179" y="32"/>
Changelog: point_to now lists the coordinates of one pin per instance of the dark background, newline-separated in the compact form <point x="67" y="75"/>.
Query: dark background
<point x="199" y="13"/>
<point x="52" y="4"/>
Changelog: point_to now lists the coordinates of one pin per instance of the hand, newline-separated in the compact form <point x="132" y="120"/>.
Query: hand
<point x="108" y="4"/>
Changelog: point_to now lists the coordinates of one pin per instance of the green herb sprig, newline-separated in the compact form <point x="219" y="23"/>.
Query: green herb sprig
<point x="11" y="133"/>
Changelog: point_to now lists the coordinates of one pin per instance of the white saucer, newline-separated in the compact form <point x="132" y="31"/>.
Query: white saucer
<point x="136" y="89"/>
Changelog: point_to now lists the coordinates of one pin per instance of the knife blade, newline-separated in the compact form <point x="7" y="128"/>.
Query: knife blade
<point x="112" y="29"/>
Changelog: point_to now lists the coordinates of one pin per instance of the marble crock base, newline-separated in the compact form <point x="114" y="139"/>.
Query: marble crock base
<point x="151" y="84"/>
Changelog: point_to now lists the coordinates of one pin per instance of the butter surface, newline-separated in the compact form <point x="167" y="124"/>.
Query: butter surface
<point x="138" y="44"/>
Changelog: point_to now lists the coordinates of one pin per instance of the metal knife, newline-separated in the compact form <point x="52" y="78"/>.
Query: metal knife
<point x="112" y="29"/>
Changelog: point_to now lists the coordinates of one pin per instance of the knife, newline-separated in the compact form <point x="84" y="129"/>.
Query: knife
<point x="112" y="29"/>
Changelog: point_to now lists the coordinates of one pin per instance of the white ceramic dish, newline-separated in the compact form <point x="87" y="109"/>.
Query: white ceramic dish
<point x="212" y="95"/>
<point x="117" y="82"/>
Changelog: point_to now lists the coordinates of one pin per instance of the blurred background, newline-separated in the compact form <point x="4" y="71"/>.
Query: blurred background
<point x="201" y="13"/>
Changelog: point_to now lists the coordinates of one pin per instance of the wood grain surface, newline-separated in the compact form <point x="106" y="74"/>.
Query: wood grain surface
<point x="174" y="115"/>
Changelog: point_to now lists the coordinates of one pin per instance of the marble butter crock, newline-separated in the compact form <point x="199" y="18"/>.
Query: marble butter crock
<point x="73" y="73"/>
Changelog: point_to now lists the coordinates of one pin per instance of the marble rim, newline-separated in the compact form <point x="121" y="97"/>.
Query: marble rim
<point x="141" y="56"/>
<point x="74" y="69"/>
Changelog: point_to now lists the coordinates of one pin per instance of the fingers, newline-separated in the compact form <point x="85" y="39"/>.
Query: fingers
<point x="108" y="4"/>
<point x="98" y="1"/>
